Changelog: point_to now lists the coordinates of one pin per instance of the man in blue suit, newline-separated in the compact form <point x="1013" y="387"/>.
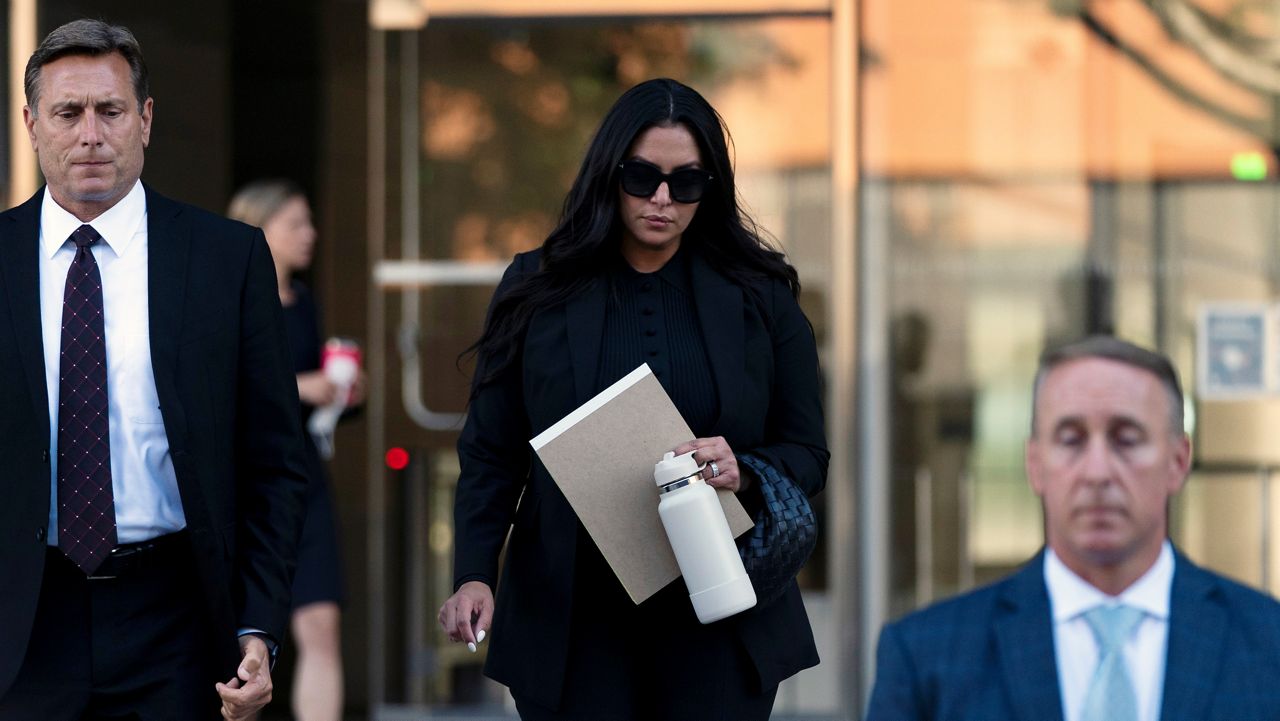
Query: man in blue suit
<point x="1108" y="621"/>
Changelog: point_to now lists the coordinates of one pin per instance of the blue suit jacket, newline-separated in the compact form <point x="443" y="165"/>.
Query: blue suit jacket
<point x="989" y="654"/>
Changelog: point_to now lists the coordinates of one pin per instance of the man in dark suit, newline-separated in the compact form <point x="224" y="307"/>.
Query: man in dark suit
<point x="150" y="448"/>
<point x="1109" y="621"/>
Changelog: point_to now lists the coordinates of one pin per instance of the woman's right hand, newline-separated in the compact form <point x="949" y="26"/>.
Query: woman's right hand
<point x="315" y="388"/>
<point x="468" y="612"/>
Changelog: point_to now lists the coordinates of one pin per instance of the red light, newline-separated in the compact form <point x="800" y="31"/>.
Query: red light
<point x="397" y="458"/>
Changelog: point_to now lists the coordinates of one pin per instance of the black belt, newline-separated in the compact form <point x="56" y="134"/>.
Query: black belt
<point x="129" y="559"/>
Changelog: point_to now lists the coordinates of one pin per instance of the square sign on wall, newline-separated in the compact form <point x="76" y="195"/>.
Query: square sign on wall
<point x="1235" y="353"/>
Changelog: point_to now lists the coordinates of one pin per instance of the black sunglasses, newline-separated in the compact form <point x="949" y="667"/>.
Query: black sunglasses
<point x="642" y="180"/>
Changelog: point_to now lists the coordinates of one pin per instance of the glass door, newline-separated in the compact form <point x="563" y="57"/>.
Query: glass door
<point x="484" y="115"/>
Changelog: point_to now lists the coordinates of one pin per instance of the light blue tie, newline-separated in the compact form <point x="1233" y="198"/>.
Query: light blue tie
<point x="1111" y="696"/>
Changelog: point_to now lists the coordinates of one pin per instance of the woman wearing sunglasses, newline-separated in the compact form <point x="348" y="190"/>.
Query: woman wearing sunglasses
<point x="652" y="262"/>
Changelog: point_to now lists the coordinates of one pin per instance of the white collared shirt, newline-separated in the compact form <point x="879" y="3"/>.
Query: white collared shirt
<point x="142" y="477"/>
<point x="1076" y="648"/>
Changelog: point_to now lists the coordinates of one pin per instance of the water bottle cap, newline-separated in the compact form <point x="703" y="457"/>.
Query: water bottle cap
<point x="673" y="468"/>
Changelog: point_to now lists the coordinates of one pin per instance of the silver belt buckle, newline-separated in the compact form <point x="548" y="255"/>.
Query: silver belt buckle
<point x="96" y="577"/>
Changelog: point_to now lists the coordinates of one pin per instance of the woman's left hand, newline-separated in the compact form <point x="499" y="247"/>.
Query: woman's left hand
<point x="722" y="465"/>
<point x="356" y="396"/>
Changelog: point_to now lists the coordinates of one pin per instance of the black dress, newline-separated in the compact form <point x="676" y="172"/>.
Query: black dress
<point x="319" y="575"/>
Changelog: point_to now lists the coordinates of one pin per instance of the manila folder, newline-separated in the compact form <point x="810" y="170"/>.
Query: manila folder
<point x="602" y="456"/>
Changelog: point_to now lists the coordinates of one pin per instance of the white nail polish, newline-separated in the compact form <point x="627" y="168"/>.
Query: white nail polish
<point x="471" y="647"/>
<point x="480" y="637"/>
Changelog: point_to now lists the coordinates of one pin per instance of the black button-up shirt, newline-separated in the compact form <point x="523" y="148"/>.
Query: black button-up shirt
<point x="651" y="318"/>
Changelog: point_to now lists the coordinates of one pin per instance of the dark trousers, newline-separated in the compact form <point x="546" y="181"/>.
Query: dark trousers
<point x="133" y="647"/>
<point x="653" y="662"/>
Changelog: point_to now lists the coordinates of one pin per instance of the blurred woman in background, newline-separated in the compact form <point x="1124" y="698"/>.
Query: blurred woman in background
<point x="280" y="208"/>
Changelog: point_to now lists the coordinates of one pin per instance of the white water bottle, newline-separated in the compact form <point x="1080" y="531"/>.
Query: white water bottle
<point x="700" y="537"/>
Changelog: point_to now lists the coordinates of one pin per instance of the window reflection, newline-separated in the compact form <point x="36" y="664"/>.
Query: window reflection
<point x="1039" y="171"/>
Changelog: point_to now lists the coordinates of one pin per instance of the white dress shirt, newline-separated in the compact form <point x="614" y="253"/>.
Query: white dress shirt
<point x="142" y="477"/>
<point x="1076" y="648"/>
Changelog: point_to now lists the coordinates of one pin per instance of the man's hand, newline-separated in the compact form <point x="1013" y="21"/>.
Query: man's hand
<point x="250" y="690"/>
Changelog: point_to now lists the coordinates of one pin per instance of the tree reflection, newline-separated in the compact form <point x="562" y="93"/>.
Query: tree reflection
<point x="508" y="109"/>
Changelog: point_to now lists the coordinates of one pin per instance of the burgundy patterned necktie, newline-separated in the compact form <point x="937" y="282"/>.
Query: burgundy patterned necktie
<point x="86" y="507"/>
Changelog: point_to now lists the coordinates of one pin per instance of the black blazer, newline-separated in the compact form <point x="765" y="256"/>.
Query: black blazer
<point x="230" y="408"/>
<point x="764" y="362"/>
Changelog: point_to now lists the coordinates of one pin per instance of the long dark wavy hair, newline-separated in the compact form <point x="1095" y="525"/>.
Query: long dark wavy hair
<point x="587" y="238"/>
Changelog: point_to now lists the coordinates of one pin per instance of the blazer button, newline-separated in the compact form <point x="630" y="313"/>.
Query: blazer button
<point x="39" y="534"/>
<point x="44" y="455"/>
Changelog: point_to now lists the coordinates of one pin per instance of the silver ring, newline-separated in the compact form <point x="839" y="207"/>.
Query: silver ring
<point x="715" y="470"/>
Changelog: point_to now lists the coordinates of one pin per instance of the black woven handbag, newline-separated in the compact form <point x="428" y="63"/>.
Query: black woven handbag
<point x="784" y="536"/>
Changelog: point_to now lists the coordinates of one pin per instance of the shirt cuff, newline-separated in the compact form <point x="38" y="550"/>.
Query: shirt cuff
<point x="273" y="646"/>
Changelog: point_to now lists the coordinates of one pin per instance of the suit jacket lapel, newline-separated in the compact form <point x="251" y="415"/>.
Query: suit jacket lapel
<point x="720" y="314"/>
<point x="1024" y="638"/>
<point x="167" y="249"/>
<point x="1197" y="635"/>
<point x="20" y="273"/>
<point x="584" y="316"/>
